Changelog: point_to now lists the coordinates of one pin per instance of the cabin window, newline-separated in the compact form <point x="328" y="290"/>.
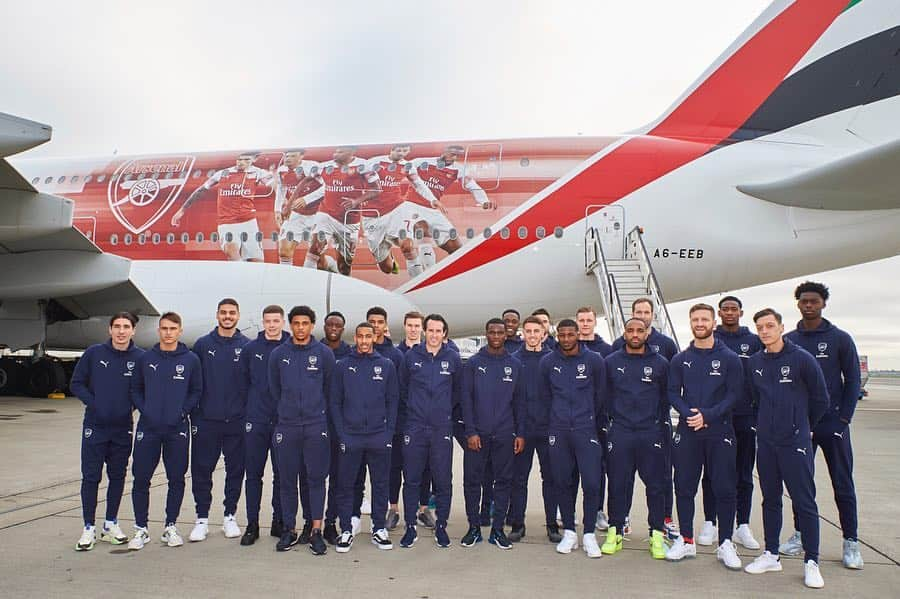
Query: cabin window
<point x="540" y="232"/>
<point x="523" y="232"/>
<point x="558" y="232"/>
<point x="113" y="239"/>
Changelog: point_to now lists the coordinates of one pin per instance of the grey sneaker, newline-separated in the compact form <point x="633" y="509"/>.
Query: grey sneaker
<point x="426" y="518"/>
<point x="392" y="519"/>
<point x="852" y="557"/>
<point x="793" y="546"/>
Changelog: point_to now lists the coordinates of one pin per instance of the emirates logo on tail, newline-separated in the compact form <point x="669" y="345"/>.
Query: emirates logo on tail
<point x="141" y="191"/>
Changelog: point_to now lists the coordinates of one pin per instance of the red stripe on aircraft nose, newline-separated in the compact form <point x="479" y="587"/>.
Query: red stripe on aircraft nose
<point x="709" y="115"/>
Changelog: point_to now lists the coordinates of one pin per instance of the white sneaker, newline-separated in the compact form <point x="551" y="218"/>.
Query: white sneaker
<point x="344" y="543"/>
<point x="112" y="534"/>
<point x="727" y="554"/>
<point x="764" y="563"/>
<point x="171" y="537"/>
<point x="680" y="550"/>
<point x="355" y="525"/>
<point x="141" y="537"/>
<point x="589" y="544"/>
<point x="200" y="530"/>
<point x="708" y="534"/>
<point x="366" y="507"/>
<point x="382" y="540"/>
<point x="230" y="527"/>
<point x="793" y="546"/>
<point x="568" y="543"/>
<point x="87" y="539"/>
<point x="811" y="575"/>
<point x="602" y="521"/>
<point x="744" y="536"/>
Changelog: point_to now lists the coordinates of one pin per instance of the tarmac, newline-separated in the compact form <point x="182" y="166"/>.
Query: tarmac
<point x="40" y="521"/>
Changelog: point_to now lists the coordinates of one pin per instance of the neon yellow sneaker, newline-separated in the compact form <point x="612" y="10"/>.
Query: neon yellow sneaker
<point x="613" y="542"/>
<point x="657" y="545"/>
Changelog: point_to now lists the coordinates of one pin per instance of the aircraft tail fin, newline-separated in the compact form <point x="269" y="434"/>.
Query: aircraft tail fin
<point x="798" y="61"/>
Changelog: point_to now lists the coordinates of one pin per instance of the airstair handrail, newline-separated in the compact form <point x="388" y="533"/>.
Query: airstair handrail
<point x="635" y="243"/>
<point x="595" y="260"/>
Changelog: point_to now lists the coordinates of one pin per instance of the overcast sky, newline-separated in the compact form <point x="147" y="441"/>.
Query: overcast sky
<point x="167" y="76"/>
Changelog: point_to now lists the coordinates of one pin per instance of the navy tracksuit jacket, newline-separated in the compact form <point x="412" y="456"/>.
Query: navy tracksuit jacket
<point x="218" y="422"/>
<point x="429" y="392"/>
<point x="744" y="344"/>
<point x="259" y="426"/>
<point x="597" y="344"/>
<point x="513" y="344"/>
<point x="710" y="380"/>
<point x="300" y="381"/>
<point x="537" y="417"/>
<point x="364" y="398"/>
<point x="637" y="403"/>
<point x="493" y="405"/>
<point x="102" y="381"/>
<point x="835" y="352"/>
<point x="575" y="386"/>
<point x="790" y="392"/>
<point x="166" y="388"/>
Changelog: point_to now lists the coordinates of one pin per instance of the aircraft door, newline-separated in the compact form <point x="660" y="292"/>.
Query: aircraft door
<point x="609" y="220"/>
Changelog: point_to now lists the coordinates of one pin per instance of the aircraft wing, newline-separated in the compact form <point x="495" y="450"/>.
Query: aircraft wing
<point x="866" y="180"/>
<point x="51" y="271"/>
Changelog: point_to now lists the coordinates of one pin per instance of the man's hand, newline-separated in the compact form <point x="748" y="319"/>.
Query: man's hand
<point x="440" y="206"/>
<point x="696" y="421"/>
<point x="519" y="445"/>
<point x="349" y="204"/>
<point x="176" y="218"/>
<point x="474" y="443"/>
<point x="279" y="220"/>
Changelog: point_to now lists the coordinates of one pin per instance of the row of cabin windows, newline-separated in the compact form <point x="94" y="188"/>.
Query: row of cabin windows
<point x="170" y="239"/>
<point x="131" y="176"/>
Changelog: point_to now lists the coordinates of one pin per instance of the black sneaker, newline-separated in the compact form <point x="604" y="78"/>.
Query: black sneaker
<point x="471" y="537"/>
<point x="304" y="534"/>
<point x="381" y="539"/>
<point x="330" y="533"/>
<point x="516" y="532"/>
<point x="499" y="538"/>
<point x="251" y="534"/>
<point x="409" y="537"/>
<point x="441" y="537"/>
<point x="287" y="541"/>
<point x="317" y="544"/>
<point x="345" y="542"/>
<point x="553" y="534"/>
<point x="276" y="529"/>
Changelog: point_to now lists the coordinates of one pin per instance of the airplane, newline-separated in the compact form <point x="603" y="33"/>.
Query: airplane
<point x="778" y="161"/>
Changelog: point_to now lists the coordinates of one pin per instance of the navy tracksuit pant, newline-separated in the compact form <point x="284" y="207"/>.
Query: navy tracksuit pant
<point x="397" y="475"/>
<point x="838" y="452"/>
<point x="301" y="448"/>
<point x="790" y="466"/>
<point x="364" y="451"/>
<point x="423" y="448"/>
<point x="257" y="446"/>
<point x="211" y="439"/>
<point x="174" y="446"/>
<point x="668" y="491"/>
<point x="745" y="438"/>
<point x="691" y="454"/>
<point x="99" y="446"/>
<point x="628" y="451"/>
<point x="522" y="464"/>
<point x="490" y="467"/>
<point x="577" y="449"/>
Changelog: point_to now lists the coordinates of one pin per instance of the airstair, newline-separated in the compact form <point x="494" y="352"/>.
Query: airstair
<point x="622" y="268"/>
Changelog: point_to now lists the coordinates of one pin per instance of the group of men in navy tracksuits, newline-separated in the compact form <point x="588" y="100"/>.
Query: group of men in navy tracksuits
<point x="328" y="411"/>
